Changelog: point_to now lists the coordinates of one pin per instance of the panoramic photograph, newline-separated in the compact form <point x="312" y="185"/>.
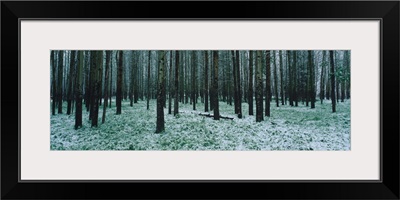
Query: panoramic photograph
<point x="200" y="100"/>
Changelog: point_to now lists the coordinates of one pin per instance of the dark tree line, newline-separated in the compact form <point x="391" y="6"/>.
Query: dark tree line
<point x="240" y="77"/>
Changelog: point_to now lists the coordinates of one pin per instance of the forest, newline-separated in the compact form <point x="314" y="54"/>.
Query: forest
<point x="200" y="100"/>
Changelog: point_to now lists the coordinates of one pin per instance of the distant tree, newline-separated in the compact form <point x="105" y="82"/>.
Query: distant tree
<point x="250" y="98"/>
<point x="119" y="82"/>
<point x="332" y="74"/>
<point x="160" y="97"/>
<point x="108" y="63"/>
<point x="215" y="84"/>
<point x="176" y="103"/>
<point x="268" y="84"/>
<point x="259" y="88"/>
<point x="78" y="91"/>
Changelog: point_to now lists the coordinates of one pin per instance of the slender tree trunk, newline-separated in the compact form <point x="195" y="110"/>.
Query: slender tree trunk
<point x="135" y="86"/>
<point x="235" y="92"/>
<point x="239" y="95"/>
<point x="71" y="75"/>
<point x="347" y="53"/>
<point x="290" y="88"/>
<point x="276" y="81"/>
<point x="60" y="83"/>
<point x="53" y="55"/>
<point x="251" y="83"/>
<point x="206" y="82"/>
<point x="148" y="82"/>
<point x="322" y="81"/>
<point x="132" y="79"/>
<point x="332" y="81"/>
<point x="295" y="87"/>
<point x="111" y="75"/>
<point x="160" y="101"/>
<point x="268" y="84"/>
<point x="281" y="73"/>
<point x="170" y="84"/>
<point x="103" y="119"/>
<point x="193" y="80"/>
<point x="215" y="84"/>
<point x="176" y="103"/>
<point x="78" y="91"/>
<point x="259" y="88"/>
<point x="119" y="82"/>
<point x="96" y="62"/>
<point x="311" y="79"/>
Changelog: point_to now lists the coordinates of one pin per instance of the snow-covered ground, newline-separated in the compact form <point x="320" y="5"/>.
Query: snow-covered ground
<point x="288" y="128"/>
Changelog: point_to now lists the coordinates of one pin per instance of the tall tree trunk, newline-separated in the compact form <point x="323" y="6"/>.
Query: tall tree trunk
<point x="103" y="119"/>
<point x="281" y="72"/>
<point x="295" y="90"/>
<point x="136" y="77"/>
<point x="235" y="92"/>
<point x="332" y="81"/>
<point x="259" y="88"/>
<point x="322" y="81"/>
<point x="170" y="84"/>
<point x="78" y="91"/>
<point x="251" y="83"/>
<point x="276" y="81"/>
<point x="347" y="53"/>
<point x="161" y="87"/>
<point x="206" y="82"/>
<point x="312" y="78"/>
<point x="148" y="82"/>
<point x="239" y="95"/>
<point x="96" y="62"/>
<point x="60" y="79"/>
<point x="53" y="56"/>
<point x="71" y="75"/>
<point x="119" y="82"/>
<point x="215" y="84"/>
<point x="111" y="82"/>
<point x="212" y="82"/>
<point x="132" y="79"/>
<point x="268" y="84"/>
<point x="193" y="80"/>
<point x="176" y="103"/>
<point x="290" y="88"/>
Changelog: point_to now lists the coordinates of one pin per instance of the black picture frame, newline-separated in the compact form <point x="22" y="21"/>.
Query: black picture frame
<point x="386" y="11"/>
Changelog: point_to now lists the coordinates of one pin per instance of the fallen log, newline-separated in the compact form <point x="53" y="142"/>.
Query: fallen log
<point x="208" y="115"/>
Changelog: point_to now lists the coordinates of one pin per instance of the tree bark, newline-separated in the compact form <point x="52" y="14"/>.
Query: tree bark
<point x="54" y="97"/>
<point x="70" y="82"/>
<point x="78" y="91"/>
<point x="332" y="73"/>
<point x="312" y="79"/>
<point x="322" y="81"/>
<point x="176" y="103"/>
<point x="215" y="84"/>
<point x="250" y="100"/>
<point x="193" y="80"/>
<point x="119" y="83"/>
<point x="281" y="72"/>
<point x="160" y="94"/>
<point x="103" y="119"/>
<point x="170" y="84"/>
<point x="148" y="82"/>
<point x="276" y="81"/>
<point x="206" y="82"/>
<point x="259" y="89"/>
<point x="60" y="79"/>
<point x="235" y="92"/>
<point x="268" y="84"/>
<point x="239" y="95"/>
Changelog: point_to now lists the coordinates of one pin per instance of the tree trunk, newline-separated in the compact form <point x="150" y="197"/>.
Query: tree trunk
<point x="60" y="83"/>
<point x="312" y="79"/>
<point x="148" y="82"/>
<point x="332" y="81"/>
<point x="132" y="79"/>
<point x="276" y="81"/>
<point x="119" y="83"/>
<point x="215" y="84"/>
<point x="235" y="92"/>
<point x="103" y="119"/>
<point x="135" y="76"/>
<point x="78" y="91"/>
<point x="206" y="82"/>
<point x="250" y="98"/>
<point x="176" y="103"/>
<point x="71" y="75"/>
<point x="322" y="81"/>
<point x="239" y="95"/>
<point x="111" y="82"/>
<point x="193" y="80"/>
<point x="95" y="68"/>
<point x="259" y="88"/>
<point x="281" y="72"/>
<point x="53" y="56"/>
<point x="290" y="74"/>
<point x="170" y="84"/>
<point x="295" y="90"/>
<point x="160" y="97"/>
<point x="268" y="84"/>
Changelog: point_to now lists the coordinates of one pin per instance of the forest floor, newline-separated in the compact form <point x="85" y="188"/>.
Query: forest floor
<point x="288" y="128"/>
